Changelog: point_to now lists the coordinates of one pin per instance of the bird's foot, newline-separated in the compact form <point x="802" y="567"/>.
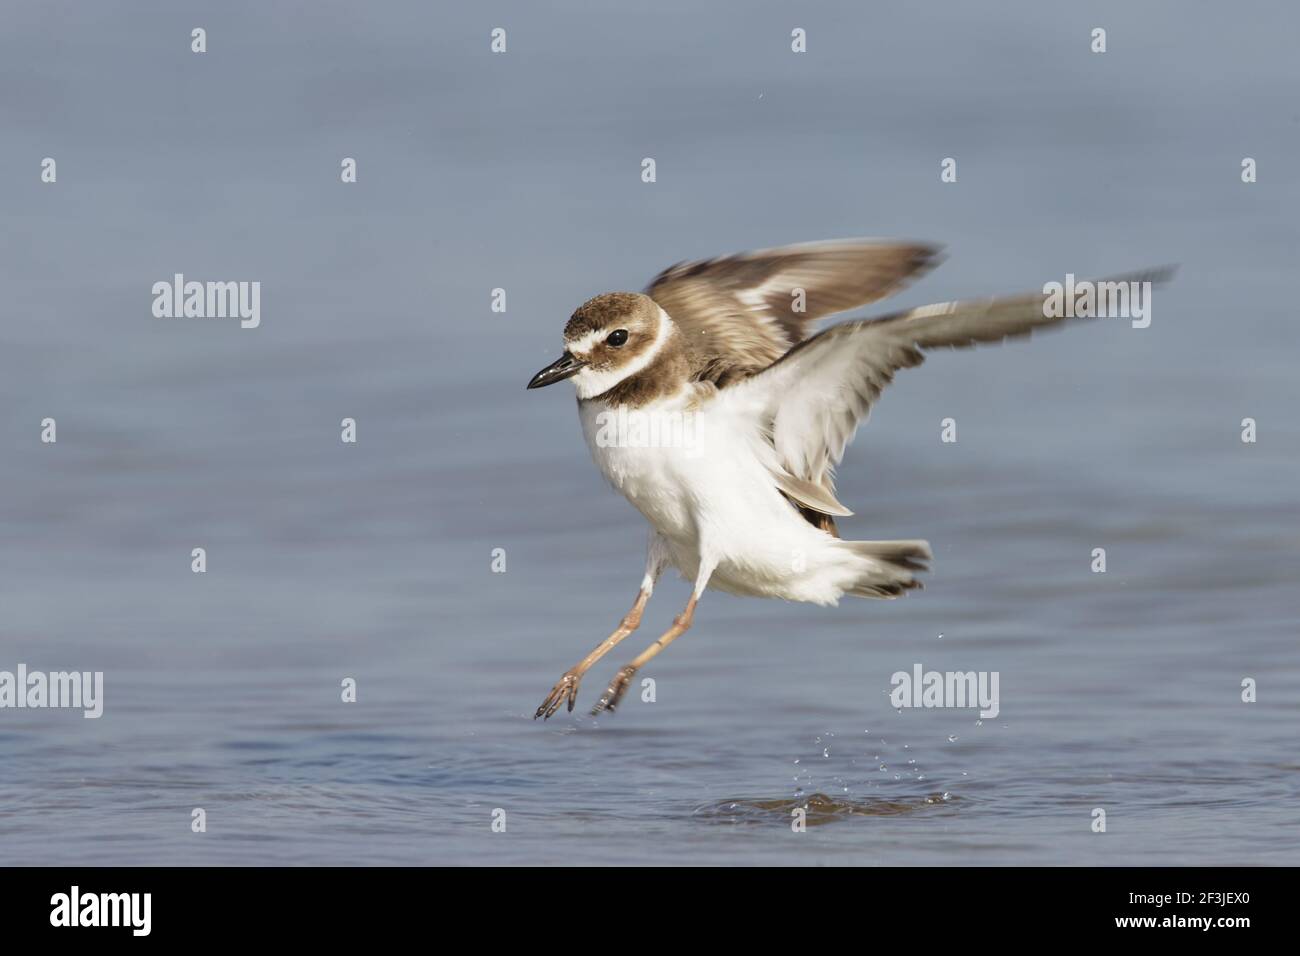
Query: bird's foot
<point x="567" y="687"/>
<point x="615" y="691"/>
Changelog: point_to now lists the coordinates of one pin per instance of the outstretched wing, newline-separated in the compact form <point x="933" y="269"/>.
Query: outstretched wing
<point x="741" y="313"/>
<point x="812" y="400"/>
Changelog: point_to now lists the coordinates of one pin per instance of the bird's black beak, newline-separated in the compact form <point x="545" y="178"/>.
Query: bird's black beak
<point x="566" y="366"/>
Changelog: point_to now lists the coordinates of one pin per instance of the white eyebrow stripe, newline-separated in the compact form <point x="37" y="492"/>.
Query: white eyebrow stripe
<point x="587" y="341"/>
<point x="591" y="383"/>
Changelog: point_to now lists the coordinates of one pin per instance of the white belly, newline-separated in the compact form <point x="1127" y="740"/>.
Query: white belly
<point x="655" y="457"/>
<point x="696" y="479"/>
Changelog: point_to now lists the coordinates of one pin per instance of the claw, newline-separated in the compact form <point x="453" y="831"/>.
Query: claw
<point x="615" y="691"/>
<point x="567" y="686"/>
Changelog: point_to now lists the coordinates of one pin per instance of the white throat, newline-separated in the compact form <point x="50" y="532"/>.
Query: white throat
<point x="592" y="382"/>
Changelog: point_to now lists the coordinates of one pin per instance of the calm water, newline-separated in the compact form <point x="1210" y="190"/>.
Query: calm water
<point x="1118" y="690"/>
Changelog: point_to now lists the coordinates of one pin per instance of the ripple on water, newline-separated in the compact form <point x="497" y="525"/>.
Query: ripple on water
<point x="820" y="808"/>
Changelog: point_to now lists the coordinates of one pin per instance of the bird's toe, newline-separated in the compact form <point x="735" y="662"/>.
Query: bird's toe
<point x="567" y="688"/>
<point x="615" y="691"/>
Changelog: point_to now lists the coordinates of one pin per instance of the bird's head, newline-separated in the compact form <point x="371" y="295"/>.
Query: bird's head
<point x="609" y="339"/>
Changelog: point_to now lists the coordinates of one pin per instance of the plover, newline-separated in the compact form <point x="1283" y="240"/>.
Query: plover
<point x="742" y="499"/>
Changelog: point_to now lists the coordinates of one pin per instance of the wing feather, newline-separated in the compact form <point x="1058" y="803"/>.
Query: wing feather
<point x="741" y="313"/>
<point x="811" y="401"/>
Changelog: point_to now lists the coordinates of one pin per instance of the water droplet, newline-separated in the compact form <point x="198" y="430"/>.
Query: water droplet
<point x="941" y="635"/>
<point x="826" y="751"/>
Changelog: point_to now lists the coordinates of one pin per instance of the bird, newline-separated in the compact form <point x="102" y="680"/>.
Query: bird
<point x="711" y="404"/>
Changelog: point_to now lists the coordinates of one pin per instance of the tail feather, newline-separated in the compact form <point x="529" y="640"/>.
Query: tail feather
<point x="888" y="566"/>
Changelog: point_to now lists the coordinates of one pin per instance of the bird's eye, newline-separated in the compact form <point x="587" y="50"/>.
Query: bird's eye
<point x="617" y="337"/>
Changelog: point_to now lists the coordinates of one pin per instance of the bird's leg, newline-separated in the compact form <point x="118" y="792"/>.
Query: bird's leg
<point x="567" y="687"/>
<point x="681" y="624"/>
<point x="568" y="684"/>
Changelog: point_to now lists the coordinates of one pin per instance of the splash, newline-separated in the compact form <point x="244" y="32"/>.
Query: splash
<point x="820" y="808"/>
